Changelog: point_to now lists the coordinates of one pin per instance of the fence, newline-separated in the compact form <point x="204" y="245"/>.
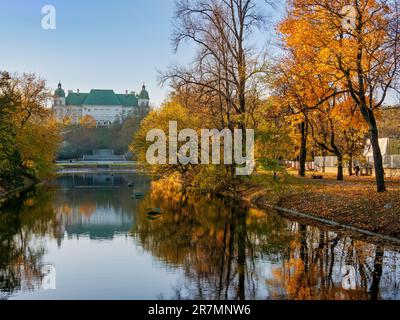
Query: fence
<point x="389" y="162"/>
<point x="326" y="162"/>
<point x="296" y="165"/>
<point x="104" y="155"/>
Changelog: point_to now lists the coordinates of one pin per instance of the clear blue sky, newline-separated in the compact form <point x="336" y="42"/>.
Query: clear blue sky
<point x="100" y="44"/>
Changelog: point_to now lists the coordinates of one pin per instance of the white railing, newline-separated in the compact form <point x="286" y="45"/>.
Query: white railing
<point x="326" y="162"/>
<point x="296" y="165"/>
<point x="390" y="162"/>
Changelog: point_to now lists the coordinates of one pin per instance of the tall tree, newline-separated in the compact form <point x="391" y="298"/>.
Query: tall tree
<point x="225" y="64"/>
<point x="29" y="136"/>
<point x="357" y="42"/>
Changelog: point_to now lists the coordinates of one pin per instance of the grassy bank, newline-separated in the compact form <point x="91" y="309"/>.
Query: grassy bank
<point x="94" y="164"/>
<point x="352" y="202"/>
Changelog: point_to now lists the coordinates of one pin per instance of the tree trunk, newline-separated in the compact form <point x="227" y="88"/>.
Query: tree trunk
<point x="303" y="150"/>
<point x="351" y="165"/>
<point x="377" y="273"/>
<point x="323" y="161"/>
<point x="340" y="167"/>
<point x="241" y="258"/>
<point x="378" y="162"/>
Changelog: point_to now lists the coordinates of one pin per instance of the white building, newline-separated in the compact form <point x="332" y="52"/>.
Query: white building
<point x="105" y="106"/>
<point x="390" y="149"/>
<point x="389" y="146"/>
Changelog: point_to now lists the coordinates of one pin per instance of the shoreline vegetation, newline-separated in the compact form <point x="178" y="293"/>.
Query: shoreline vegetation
<point x="29" y="134"/>
<point x="7" y="194"/>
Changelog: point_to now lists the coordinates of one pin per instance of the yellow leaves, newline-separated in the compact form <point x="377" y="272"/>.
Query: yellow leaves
<point x="316" y="31"/>
<point x="88" y="122"/>
<point x="29" y="164"/>
<point x="30" y="127"/>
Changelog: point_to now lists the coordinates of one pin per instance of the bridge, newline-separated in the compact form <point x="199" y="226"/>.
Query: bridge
<point x="104" y="155"/>
<point x="103" y="160"/>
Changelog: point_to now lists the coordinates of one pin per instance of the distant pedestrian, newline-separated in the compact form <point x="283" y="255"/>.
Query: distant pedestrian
<point x="357" y="170"/>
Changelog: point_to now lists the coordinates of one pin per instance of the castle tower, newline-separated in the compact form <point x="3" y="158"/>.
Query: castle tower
<point x="59" y="96"/>
<point x="144" y="98"/>
<point x="59" y="103"/>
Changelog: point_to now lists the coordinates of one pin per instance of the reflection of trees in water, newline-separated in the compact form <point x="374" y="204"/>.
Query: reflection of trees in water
<point x="98" y="205"/>
<point x="216" y="245"/>
<point x="22" y="219"/>
<point x="84" y="193"/>
<point x="320" y="260"/>
<point x="223" y="251"/>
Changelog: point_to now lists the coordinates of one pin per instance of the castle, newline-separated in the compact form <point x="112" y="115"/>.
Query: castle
<point x="105" y="106"/>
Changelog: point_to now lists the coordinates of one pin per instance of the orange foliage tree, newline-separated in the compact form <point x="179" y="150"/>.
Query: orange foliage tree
<point x="354" y="44"/>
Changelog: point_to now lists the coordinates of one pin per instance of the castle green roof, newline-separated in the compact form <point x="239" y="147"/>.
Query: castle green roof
<point x="102" y="98"/>
<point x="128" y="100"/>
<point x="76" y="99"/>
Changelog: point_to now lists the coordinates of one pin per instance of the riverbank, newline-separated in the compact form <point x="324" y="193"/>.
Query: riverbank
<point x="99" y="167"/>
<point x="5" y="194"/>
<point x="353" y="202"/>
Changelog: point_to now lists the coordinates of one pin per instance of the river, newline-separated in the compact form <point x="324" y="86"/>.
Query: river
<point x="89" y="236"/>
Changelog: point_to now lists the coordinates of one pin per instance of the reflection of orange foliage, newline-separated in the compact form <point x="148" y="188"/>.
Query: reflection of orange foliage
<point x="308" y="283"/>
<point x="292" y="275"/>
<point x="167" y="188"/>
<point x="87" y="209"/>
<point x="30" y="202"/>
<point x="197" y="234"/>
<point x="256" y="214"/>
<point x="63" y="209"/>
<point x="220" y="238"/>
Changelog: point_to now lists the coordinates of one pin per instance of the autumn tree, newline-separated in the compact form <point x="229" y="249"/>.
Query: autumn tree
<point x="337" y="128"/>
<point x="160" y="119"/>
<point x="225" y="63"/>
<point x="9" y="157"/>
<point x="88" y="122"/>
<point x="302" y="91"/>
<point x="29" y="136"/>
<point x="357" y="43"/>
<point x="292" y="98"/>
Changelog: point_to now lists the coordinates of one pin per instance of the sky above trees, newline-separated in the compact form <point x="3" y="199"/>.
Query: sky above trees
<point x="97" y="44"/>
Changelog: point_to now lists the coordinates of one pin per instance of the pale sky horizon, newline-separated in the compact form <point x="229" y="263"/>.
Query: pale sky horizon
<point x="117" y="45"/>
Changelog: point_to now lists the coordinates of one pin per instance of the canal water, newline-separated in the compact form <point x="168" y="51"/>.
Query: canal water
<point x="88" y="236"/>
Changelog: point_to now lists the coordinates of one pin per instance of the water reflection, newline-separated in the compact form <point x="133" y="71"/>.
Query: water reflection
<point x="99" y="206"/>
<point x="104" y="245"/>
<point x="23" y="221"/>
<point x="231" y="252"/>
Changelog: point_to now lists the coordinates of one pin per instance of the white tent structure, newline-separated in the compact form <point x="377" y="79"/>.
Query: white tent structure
<point x="390" y="148"/>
